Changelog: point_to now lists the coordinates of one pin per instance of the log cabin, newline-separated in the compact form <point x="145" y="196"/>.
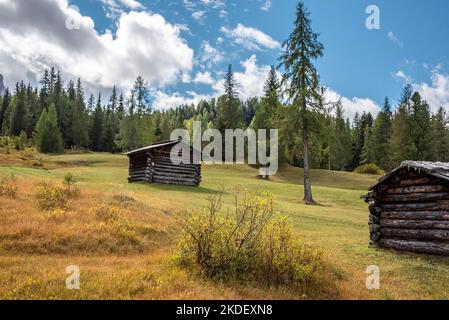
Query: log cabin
<point x="153" y="164"/>
<point x="409" y="208"/>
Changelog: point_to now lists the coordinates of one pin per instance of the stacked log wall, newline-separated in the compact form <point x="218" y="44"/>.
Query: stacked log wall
<point x="155" y="166"/>
<point x="410" y="212"/>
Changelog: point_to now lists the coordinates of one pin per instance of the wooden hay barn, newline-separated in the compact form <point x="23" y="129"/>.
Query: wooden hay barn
<point x="409" y="208"/>
<point x="153" y="165"/>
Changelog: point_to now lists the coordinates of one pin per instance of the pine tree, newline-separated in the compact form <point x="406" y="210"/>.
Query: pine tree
<point x="3" y="109"/>
<point x="19" y="112"/>
<point x="302" y="80"/>
<point x="368" y="147"/>
<point x="47" y="137"/>
<point x="401" y="146"/>
<point x="381" y="137"/>
<point x="229" y="113"/>
<point x="441" y="134"/>
<point x="421" y="132"/>
<point x="340" y="140"/>
<point x="79" y="130"/>
<point x="96" y="130"/>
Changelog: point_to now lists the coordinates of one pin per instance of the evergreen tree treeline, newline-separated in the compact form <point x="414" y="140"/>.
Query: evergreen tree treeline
<point x="57" y="116"/>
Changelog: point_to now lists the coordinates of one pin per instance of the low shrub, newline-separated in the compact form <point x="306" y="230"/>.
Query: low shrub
<point x="253" y="243"/>
<point x="369" y="168"/>
<point x="70" y="188"/>
<point x="8" y="186"/>
<point x="50" y="196"/>
<point x="116" y="218"/>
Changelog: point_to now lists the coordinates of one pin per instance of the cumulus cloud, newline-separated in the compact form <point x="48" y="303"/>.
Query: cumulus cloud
<point x="437" y="93"/>
<point x="402" y="76"/>
<point x="351" y="106"/>
<point x="204" y="78"/>
<point x="210" y="55"/>
<point x="266" y="5"/>
<point x="163" y="100"/>
<point x="250" y="82"/>
<point x="143" y="44"/>
<point x="199" y="16"/>
<point x="395" y="39"/>
<point x="250" y="38"/>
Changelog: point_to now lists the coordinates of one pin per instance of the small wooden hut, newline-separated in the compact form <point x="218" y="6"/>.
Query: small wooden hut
<point x="409" y="208"/>
<point x="153" y="164"/>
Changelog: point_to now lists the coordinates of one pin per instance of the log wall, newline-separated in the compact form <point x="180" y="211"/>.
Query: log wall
<point x="410" y="212"/>
<point x="155" y="166"/>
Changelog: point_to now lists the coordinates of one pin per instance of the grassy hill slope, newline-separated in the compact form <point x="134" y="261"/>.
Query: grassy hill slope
<point x="118" y="263"/>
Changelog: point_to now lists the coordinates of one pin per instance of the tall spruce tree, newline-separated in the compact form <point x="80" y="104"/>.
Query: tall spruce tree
<point x="3" y="111"/>
<point x="340" y="141"/>
<point x="302" y="81"/>
<point x="441" y="134"/>
<point x="96" y="130"/>
<point x="229" y="113"/>
<point x="421" y="132"/>
<point x="401" y="146"/>
<point x="381" y="136"/>
<point x="47" y="137"/>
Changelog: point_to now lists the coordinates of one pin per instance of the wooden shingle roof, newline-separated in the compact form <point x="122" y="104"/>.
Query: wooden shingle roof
<point x="437" y="169"/>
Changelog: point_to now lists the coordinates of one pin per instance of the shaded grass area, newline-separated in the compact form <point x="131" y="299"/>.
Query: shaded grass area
<point x="34" y="251"/>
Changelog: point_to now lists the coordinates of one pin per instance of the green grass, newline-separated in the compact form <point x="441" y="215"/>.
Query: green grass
<point x="338" y="224"/>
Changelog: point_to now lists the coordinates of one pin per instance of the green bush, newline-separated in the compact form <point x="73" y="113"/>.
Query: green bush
<point x="369" y="168"/>
<point x="253" y="243"/>
<point x="50" y="196"/>
<point x="8" y="186"/>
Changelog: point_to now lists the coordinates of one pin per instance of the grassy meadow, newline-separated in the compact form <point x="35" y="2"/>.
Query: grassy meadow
<point x="132" y="257"/>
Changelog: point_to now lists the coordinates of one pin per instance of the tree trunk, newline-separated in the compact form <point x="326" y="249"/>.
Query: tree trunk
<point x="308" y="197"/>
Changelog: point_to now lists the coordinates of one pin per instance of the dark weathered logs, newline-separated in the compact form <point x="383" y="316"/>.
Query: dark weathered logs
<point x="415" y="182"/>
<point x="415" y="224"/>
<point x="441" y="235"/>
<point x="374" y="219"/>
<point x="416" y="215"/>
<point x="415" y="197"/>
<point x="436" y="248"/>
<point x="436" y="206"/>
<point x="417" y="189"/>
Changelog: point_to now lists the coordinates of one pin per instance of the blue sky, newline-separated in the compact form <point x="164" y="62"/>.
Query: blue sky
<point x="360" y="66"/>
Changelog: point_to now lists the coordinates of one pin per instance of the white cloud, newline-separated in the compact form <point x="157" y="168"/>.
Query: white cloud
<point x="402" y="76"/>
<point x="216" y="4"/>
<point x="395" y="39"/>
<point x="204" y="78"/>
<point x="266" y="5"/>
<point x="199" y="15"/>
<point x="437" y="93"/>
<point x="164" y="101"/>
<point x="210" y="54"/>
<point x="250" y="82"/>
<point x="144" y="44"/>
<point x="352" y="105"/>
<point x="250" y="38"/>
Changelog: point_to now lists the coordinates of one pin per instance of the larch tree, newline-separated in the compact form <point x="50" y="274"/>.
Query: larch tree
<point x="301" y="80"/>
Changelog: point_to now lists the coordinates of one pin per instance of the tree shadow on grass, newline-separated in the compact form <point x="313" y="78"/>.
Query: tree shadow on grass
<point x="187" y="189"/>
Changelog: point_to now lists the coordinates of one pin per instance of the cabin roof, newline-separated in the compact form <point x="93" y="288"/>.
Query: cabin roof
<point x="436" y="169"/>
<point x="153" y="146"/>
<point x="158" y="145"/>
